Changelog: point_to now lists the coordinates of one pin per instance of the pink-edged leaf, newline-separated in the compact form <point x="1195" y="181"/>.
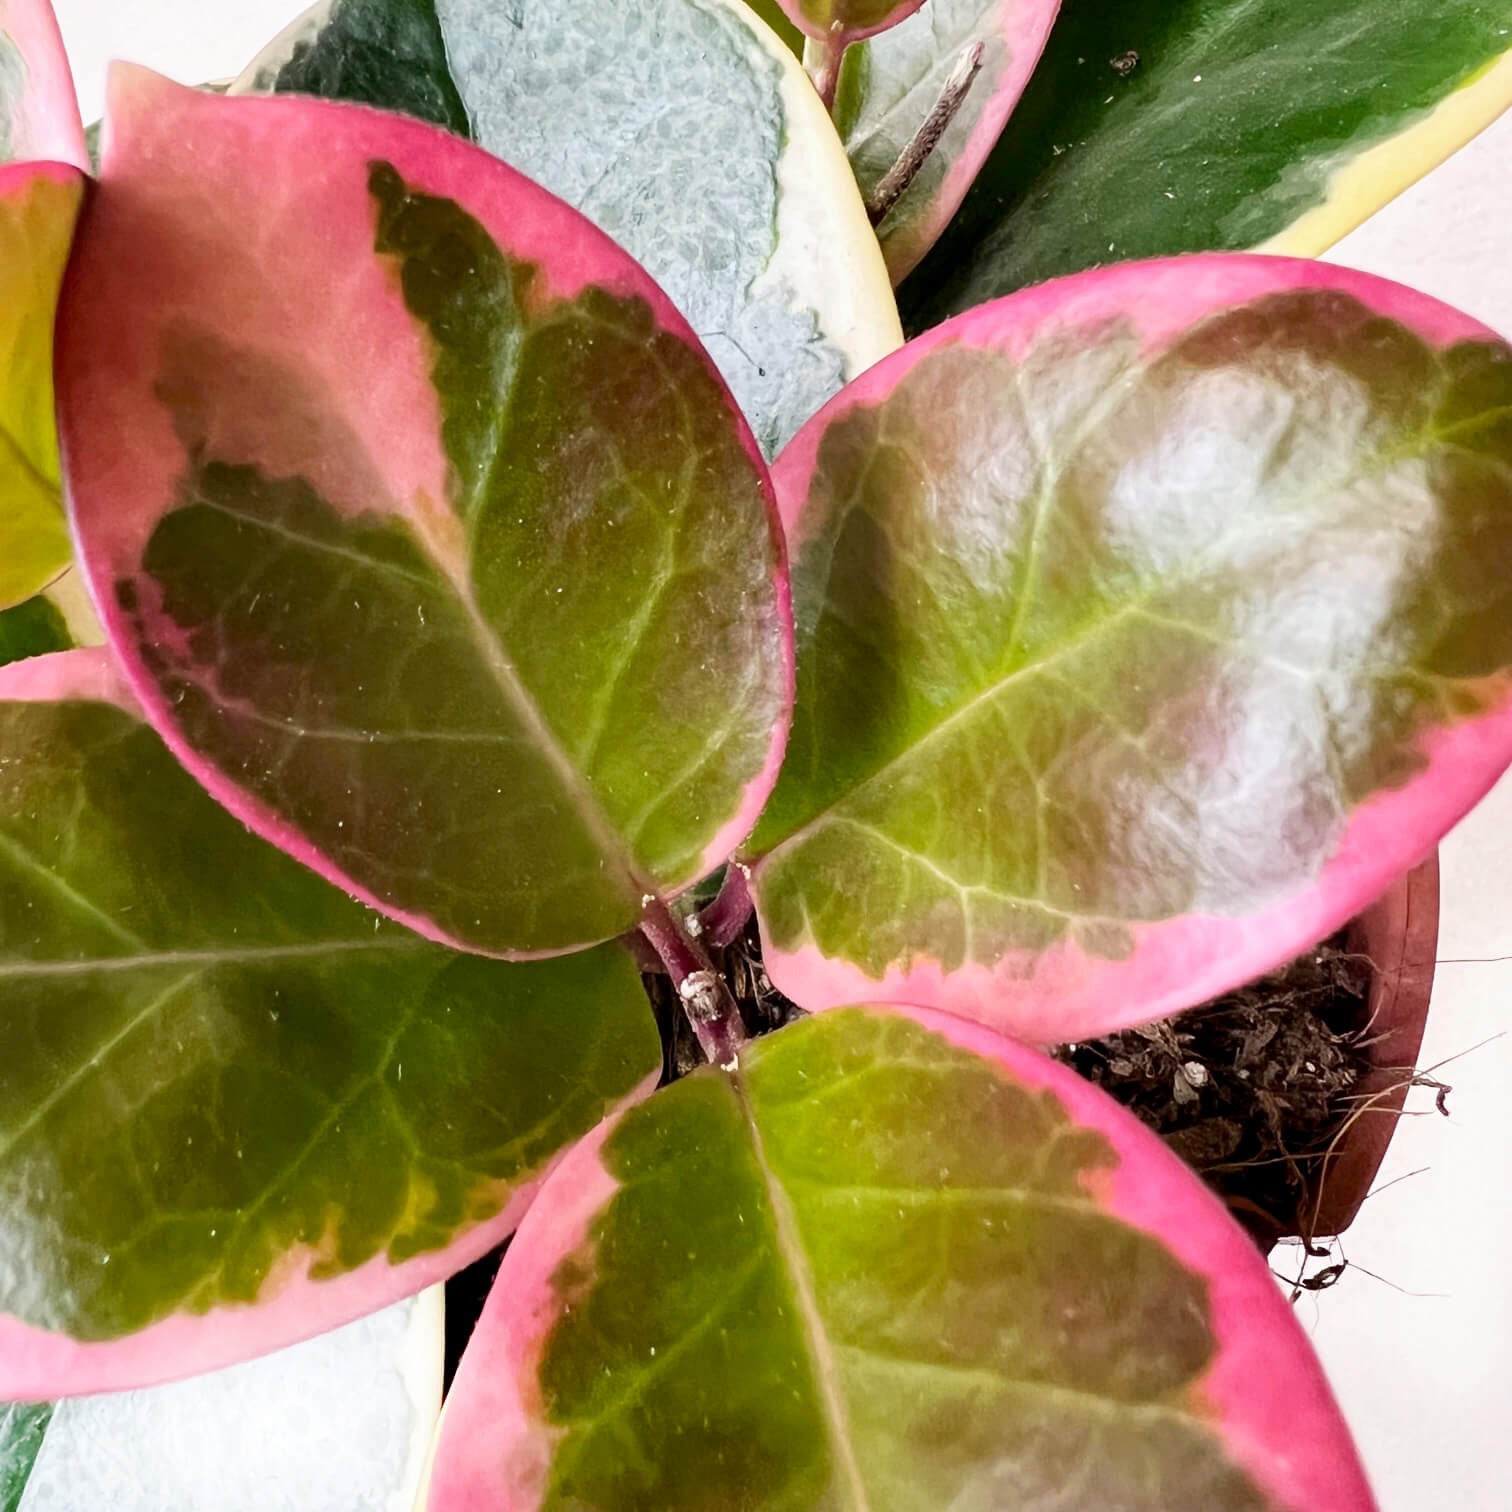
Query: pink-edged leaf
<point x="1150" y="623"/>
<point x="39" y="111"/>
<point x="681" y="128"/>
<point x="426" y="532"/>
<point x="39" y="203"/>
<point x="236" y="1107"/>
<point x="892" y="1261"/>
<point x="890" y="84"/>
<point x="845" y="21"/>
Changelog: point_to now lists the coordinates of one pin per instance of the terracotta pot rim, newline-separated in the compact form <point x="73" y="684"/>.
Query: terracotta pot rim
<point x="1399" y="933"/>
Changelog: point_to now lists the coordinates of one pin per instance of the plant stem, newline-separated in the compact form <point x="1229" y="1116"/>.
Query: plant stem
<point x="724" y="920"/>
<point x="913" y="157"/>
<point x="647" y="961"/>
<point x="705" y="996"/>
<point x="822" y="58"/>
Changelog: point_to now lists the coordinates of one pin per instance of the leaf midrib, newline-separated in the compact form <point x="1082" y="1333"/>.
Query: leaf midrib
<point x="13" y="1137"/>
<point x="800" y="1270"/>
<point x="1423" y="441"/>
<point x="576" y="785"/>
<point x="500" y="668"/>
<point x="243" y="956"/>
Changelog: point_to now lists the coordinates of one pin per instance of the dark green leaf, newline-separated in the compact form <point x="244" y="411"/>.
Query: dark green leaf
<point x="22" y="1429"/>
<point x="876" y="1270"/>
<point x="223" y="1082"/>
<point x="1161" y="126"/>
<point x="32" y="629"/>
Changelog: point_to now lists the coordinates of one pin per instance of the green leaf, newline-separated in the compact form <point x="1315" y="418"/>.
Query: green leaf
<point x="32" y="629"/>
<point x="22" y="1429"/>
<point x="41" y="147"/>
<point x="1149" y="624"/>
<point x="38" y="206"/>
<point x="223" y="1082"/>
<point x="885" y="1265"/>
<point x="387" y="53"/>
<point x="1161" y="126"/>
<point x="489" y="627"/>
<point x="688" y="135"/>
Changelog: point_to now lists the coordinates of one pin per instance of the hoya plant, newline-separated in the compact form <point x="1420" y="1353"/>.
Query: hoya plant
<point x="523" y="550"/>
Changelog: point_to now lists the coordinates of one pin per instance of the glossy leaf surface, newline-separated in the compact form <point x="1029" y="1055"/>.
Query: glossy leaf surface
<point x="1150" y="623"/>
<point x="1154" y="127"/>
<point x="437" y="548"/>
<point x="890" y="84"/>
<point x="890" y="1263"/>
<point x="38" y="206"/>
<point x="224" y="1083"/>
<point x="688" y="135"/>
<point x="39" y="113"/>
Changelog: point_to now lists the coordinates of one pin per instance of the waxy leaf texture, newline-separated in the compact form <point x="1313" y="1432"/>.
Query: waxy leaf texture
<point x="438" y="550"/>
<point x="891" y="83"/>
<point x="236" y="1107"/>
<point x="889" y="1264"/>
<point x="1154" y="127"/>
<point x="686" y="133"/>
<point x="1149" y="624"/>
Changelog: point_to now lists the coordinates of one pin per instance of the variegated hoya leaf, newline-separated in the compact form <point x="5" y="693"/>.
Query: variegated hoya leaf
<point x="38" y="206"/>
<point x="686" y="133"/>
<point x="39" y="112"/>
<point x="424" y="528"/>
<point x="890" y="84"/>
<point x="236" y="1107"/>
<point x="890" y="1263"/>
<point x="1150" y="623"/>
<point x="1154" y="127"/>
<point x="845" y="21"/>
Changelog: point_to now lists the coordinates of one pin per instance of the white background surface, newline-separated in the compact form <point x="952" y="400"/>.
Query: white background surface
<point x="339" y="1424"/>
<point x="1426" y="1380"/>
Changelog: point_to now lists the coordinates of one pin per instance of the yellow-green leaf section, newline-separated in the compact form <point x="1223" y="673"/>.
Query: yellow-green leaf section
<point x="38" y="207"/>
